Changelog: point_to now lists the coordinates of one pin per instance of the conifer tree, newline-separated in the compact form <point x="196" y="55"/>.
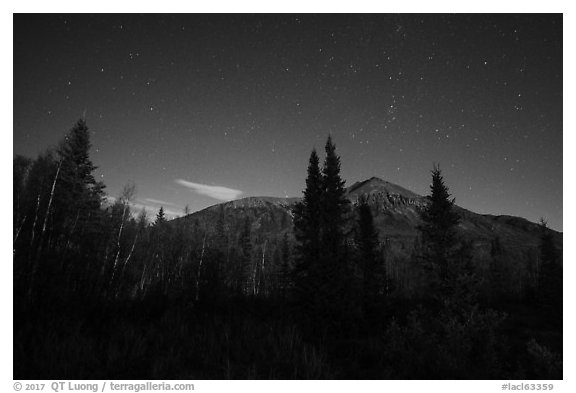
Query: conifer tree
<point x="159" y="250"/>
<point x="322" y="275"/>
<point x="307" y="222"/>
<point x="333" y="294"/>
<point x="73" y="215"/>
<point x="77" y="189"/>
<point x="160" y="217"/>
<point x="550" y="277"/>
<point x="335" y="206"/>
<point x="372" y="274"/>
<point x="439" y="238"/>
<point x="439" y="225"/>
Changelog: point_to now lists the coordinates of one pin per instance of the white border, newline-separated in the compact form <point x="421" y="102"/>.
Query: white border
<point x="261" y="6"/>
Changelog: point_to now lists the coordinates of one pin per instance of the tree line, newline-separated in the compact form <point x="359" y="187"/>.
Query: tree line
<point x="71" y="244"/>
<point x="64" y="229"/>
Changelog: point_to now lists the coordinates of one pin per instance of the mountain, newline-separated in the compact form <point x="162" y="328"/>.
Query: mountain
<point x="396" y="212"/>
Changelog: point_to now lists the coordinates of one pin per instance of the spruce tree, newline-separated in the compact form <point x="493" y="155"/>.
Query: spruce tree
<point x="550" y="277"/>
<point x="160" y="217"/>
<point x="77" y="189"/>
<point x="438" y="228"/>
<point x="439" y="224"/>
<point x="335" y="205"/>
<point x="77" y="213"/>
<point x="333" y="285"/>
<point x="307" y="232"/>
<point x="370" y="263"/>
<point x="72" y="224"/>
<point x="322" y="276"/>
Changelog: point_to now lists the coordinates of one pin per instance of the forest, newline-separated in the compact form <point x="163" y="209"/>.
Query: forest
<point x="102" y="291"/>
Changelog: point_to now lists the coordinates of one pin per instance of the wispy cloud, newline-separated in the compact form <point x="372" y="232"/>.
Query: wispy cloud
<point x="159" y="202"/>
<point x="217" y="192"/>
<point x="137" y="207"/>
<point x="150" y="205"/>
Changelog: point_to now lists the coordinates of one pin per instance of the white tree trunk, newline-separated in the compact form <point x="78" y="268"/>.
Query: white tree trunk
<point x="118" y="242"/>
<point x="38" y="251"/>
<point x="19" y="229"/>
<point x="262" y="265"/>
<point x="130" y="253"/>
<point x="49" y="205"/>
<point x="35" y="220"/>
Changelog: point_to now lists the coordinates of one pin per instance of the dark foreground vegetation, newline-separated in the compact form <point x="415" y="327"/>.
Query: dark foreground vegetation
<point x="101" y="294"/>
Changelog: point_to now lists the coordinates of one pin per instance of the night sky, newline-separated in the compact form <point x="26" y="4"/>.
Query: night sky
<point x="180" y="104"/>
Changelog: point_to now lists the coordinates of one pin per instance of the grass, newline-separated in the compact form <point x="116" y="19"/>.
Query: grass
<point x="161" y="338"/>
<point x="148" y="340"/>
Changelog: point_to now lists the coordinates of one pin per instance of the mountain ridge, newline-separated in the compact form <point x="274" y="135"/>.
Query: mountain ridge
<point x="374" y="188"/>
<point x="396" y="213"/>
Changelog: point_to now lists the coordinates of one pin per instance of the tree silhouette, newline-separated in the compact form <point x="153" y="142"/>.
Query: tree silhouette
<point x="550" y="277"/>
<point x="323" y="276"/>
<point x="438" y="228"/>
<point x="71" y="227"/>
<point x="78" y="194"/>
<point x="160" y="217"/>
<point x="335" y="206"/>
<point x="370" y="263"/>
<point x="307" y="232"/>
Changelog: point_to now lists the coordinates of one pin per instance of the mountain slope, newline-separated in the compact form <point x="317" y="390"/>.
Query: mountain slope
<point x="396" y="212"/>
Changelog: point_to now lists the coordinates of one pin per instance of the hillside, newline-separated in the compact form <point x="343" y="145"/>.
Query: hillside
<point x="396" y="212"/>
